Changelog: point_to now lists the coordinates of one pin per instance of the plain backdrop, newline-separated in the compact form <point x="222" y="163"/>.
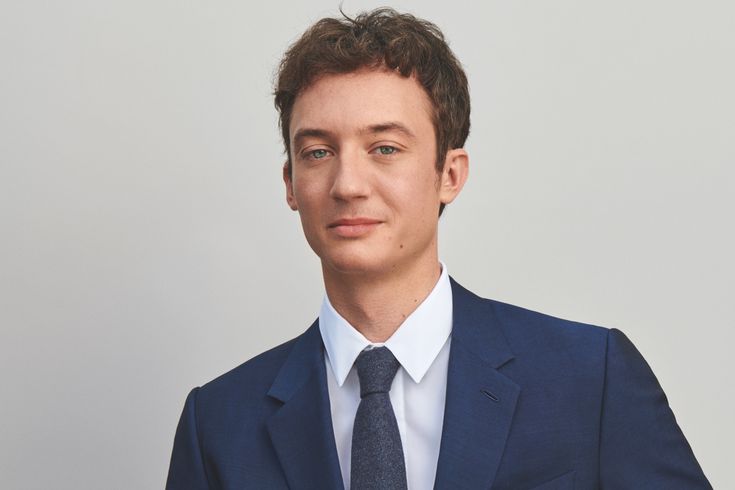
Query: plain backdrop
<point x="146" y="246"/>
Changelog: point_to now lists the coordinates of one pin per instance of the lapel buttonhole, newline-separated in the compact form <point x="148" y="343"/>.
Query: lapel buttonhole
<point x="490" y="395"/>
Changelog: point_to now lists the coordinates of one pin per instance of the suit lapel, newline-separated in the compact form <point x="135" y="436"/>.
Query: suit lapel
<point x="301" y="429"/>
<point x="480" y="401"/>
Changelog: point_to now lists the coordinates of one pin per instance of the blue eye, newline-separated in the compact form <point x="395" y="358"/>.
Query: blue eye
<point x="387" y="150"/>
<point x="318" y="154"/>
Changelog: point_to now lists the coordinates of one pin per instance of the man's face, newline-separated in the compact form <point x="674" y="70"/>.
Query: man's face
<point x="364" y="178"/>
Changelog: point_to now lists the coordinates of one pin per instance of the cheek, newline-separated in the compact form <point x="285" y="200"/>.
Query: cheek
<point x="419" y="188"/>
<point x="414" y="202"/>
<point x="307" y="193"/>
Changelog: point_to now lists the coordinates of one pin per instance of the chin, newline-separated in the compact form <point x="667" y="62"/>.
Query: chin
<point x="353" y="263"/>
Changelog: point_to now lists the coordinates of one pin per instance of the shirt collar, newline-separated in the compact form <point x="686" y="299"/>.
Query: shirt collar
<point x="415" y="344"/>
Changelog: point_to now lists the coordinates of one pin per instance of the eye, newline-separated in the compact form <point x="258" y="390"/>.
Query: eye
<point x="386" y="150"/>
<point x="317" y="154"/>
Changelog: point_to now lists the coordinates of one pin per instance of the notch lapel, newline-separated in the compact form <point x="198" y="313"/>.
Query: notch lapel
<point x="301" y="429"/>
<point x="480" y="401"/>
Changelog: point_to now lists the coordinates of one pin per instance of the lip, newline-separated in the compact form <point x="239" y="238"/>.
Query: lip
<point x="353" y="227"/>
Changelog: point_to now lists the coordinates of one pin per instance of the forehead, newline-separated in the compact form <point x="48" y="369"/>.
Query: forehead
<point x="345" y="102"/>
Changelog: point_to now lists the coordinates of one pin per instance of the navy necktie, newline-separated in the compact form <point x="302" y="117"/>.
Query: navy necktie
<point x="377" y="453"/>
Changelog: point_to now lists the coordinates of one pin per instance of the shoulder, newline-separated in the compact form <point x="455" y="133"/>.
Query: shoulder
<point x="539" y="339"/>
<point x="250" y="380"/>
<point x="553" y="343"/>
<point x="549" y="351"/>
<point x="522" y="325"/>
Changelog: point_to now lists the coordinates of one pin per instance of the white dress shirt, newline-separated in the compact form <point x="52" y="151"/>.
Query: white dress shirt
<point x="418" y="392"/>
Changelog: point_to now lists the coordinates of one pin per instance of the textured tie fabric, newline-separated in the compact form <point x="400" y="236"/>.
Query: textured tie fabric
<point x="377" y="453"/>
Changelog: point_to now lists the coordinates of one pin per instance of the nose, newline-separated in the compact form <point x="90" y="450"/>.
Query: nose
<point x="350" y="178"/>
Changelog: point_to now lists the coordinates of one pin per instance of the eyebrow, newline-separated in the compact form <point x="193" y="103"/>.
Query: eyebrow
<point x="385" y="127"/>
<point x="304" y="133"/>
<point x="388" y="127"/>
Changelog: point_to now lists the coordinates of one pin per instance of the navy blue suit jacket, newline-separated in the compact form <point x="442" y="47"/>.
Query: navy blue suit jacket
<point x="533" y="403"/>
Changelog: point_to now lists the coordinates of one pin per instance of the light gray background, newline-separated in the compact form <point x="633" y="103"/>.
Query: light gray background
<point x="147" y="248"/>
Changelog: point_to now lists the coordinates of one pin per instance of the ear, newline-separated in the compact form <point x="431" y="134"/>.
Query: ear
<point x="290" y="199"/>
<point x="454" y="174"/>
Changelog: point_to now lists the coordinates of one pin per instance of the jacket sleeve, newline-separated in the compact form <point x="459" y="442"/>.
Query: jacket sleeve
<point x="641" y="445"/>
<point x="186" y="471"/>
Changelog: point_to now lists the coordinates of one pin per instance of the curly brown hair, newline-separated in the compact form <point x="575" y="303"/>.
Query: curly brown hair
<point x="375" y="39"/>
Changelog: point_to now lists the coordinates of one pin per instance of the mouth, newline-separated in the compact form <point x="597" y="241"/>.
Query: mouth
<point x="353" y="227"/>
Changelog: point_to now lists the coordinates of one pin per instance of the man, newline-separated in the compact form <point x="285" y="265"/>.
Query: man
<point x="408" y="380"/>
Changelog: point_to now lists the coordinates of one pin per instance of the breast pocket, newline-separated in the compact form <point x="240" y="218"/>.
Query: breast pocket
<point x="563" y="482"/>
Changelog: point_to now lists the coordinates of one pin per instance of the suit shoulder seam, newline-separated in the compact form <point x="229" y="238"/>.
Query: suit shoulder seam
<point x="602" y="410"/>
<point x="198" y="434"/>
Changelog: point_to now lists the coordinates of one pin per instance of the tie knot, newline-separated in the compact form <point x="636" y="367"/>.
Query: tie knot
<point x="376" y="369"/>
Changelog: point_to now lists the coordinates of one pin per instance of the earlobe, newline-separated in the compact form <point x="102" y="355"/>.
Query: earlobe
<point x="454" y="174"/>
<point x="290" y="199"/>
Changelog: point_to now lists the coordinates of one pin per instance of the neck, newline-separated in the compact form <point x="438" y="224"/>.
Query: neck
<point x="376" y="305"/>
